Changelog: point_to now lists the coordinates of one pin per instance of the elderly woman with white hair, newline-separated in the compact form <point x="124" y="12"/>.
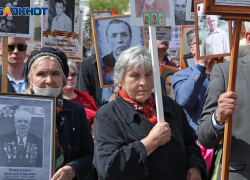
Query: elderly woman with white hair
<point x="46" y="72"/>
<point x="129" y="144"/>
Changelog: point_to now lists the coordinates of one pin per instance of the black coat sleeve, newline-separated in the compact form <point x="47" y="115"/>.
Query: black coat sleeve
<point x="113" y="158"/>
<point x="83" y="165"/>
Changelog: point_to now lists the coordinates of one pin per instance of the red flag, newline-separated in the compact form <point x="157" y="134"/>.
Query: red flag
<point x="114" y="12"/>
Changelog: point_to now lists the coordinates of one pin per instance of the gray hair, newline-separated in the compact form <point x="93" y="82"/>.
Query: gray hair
<point x="72" y="65"/>
<point x="22" y="113"/>
<point x="137" y="56"/>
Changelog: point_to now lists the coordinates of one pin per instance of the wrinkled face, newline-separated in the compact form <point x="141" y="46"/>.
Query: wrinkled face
<point x="16" y="57"/>
<point x="137" y="84"/>
<point x="212" y="22"/>
<point x="22" y="124"/>
<point x="180" y="9"/>
<point x="168" y="85"/>
<point x="47" y="74"/>
<point x="59" y="8"/>
<point x="119" y="38"/>
<point x="71" y="81"/>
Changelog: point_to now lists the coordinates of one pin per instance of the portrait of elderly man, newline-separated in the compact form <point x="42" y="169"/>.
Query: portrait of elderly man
<point x="180" y="13"/>
<point x="216" y="40"/>
<point x="21" y="148"/>
<point x="118" y="36"/>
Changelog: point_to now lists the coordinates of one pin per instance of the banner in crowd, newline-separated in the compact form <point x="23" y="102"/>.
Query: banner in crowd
<point x="16" y="23"/>
<point x="62" y="27"/>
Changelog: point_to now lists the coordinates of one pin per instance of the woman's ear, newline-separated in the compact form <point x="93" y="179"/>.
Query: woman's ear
<point x="247" y="35"/>
<point x="30" y="82"/>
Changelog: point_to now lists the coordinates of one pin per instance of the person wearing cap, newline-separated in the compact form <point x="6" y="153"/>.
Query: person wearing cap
<point x="16" y="55"/>
<point x="46" y="72"/>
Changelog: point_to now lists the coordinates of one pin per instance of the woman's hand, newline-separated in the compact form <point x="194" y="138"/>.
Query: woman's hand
<point x="194" y="173"/>
<point x="158" y="136"/>
<point x="64" y="173"/>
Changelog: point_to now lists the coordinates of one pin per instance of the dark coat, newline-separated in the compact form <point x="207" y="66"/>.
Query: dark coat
<point x="75" y="139"/>
<point x="89" y="80"/>
<point x="119" y="154"/>
<point x="108" y="68"/>
<point x="20" y="160"/>
<point x="10" y="87"/>
<point x="109" y="60"/>
<point x="239" y="168"/>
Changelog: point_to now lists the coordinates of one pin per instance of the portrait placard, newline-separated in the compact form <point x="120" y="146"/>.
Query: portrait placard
<point x="180" y="9"/>
<point x="16" y="26"/>
<point x="167" y="73"/>
<point x="27" y="125"/>
<point x="188" y="32"/>
<point x="188" y="61"/>
<point x="137" y="7"/>
<point x="163" y="33"/>
<point x="108" y="47"/>
<point x="214" y="36"/>
<point x="190" y="10"/>
<point x="97" y="14"/>
<point x="227" y="7"/>
<point x="62" y="27"/>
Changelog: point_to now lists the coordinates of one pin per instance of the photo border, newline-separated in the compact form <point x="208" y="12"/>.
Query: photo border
<point x="97" y="49"/>
<point x="138" y="21"/>
<point x="185" y="60"/>
<point x="168" y="67"/>
<point x="189" y="14"/>
<point x="240" y="11"/>
<point x="197" y="35"/>
<point x="184" y="64"/>
<point x="53" y="125"/>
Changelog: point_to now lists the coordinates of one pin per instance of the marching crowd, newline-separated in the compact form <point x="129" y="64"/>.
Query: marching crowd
<point x="112" y="133"/>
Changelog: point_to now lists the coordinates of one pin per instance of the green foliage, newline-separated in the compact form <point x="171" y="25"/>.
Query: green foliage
<point x="120" y="6"/>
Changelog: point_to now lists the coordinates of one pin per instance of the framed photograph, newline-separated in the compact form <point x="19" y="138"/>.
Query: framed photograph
<point x="227" y="7"/>
<point x="167" y="73"/>
<point x="36" y="1"/>
<point x="108" y="47"/>
<point x="190" y="10"/>
<point x="213" y="36"/>
<point x="27" y="125"/>
<point x="180" y="9"/>
<point x="188" y="61"/>
<point x="97" y="14"/>
<point x="188" y="32"/>
<point x="16" y="26"/>
<point x="137" y="7"/>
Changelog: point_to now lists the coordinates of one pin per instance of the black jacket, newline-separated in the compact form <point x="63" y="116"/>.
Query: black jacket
<point x="89" y="80"/>
<point x="75" y="138"/>
<point x="119" y="154"/>
<point x="10" y="87"/>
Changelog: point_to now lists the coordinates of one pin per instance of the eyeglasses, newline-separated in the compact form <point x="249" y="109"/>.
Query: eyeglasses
<point x="194" y="43"/>
<point x="74" y="74"/>
<point x="20" y="47"/>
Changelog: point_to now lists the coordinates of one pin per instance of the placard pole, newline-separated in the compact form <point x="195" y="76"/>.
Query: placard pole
<point x="4" y="64"/>
<point x="231" y="87"/>
<point x="157" y="82"/>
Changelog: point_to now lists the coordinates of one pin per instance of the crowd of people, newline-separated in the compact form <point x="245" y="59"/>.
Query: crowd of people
<point x="112" y="133"/>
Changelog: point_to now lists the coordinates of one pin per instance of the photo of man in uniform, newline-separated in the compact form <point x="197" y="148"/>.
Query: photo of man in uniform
<point x="21" y="148"/>
<point x="216" y="40"/>
<point x="118" y="36"/>
<point x="189" y="36"/>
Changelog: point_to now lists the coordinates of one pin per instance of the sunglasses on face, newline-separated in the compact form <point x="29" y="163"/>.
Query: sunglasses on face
<point x="74" y="74"/>
<point x="20" y="47"/>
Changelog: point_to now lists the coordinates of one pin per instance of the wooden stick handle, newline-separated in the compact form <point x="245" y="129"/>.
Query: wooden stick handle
<point x="4" y="65"/>
<point x="231" y="87"/>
